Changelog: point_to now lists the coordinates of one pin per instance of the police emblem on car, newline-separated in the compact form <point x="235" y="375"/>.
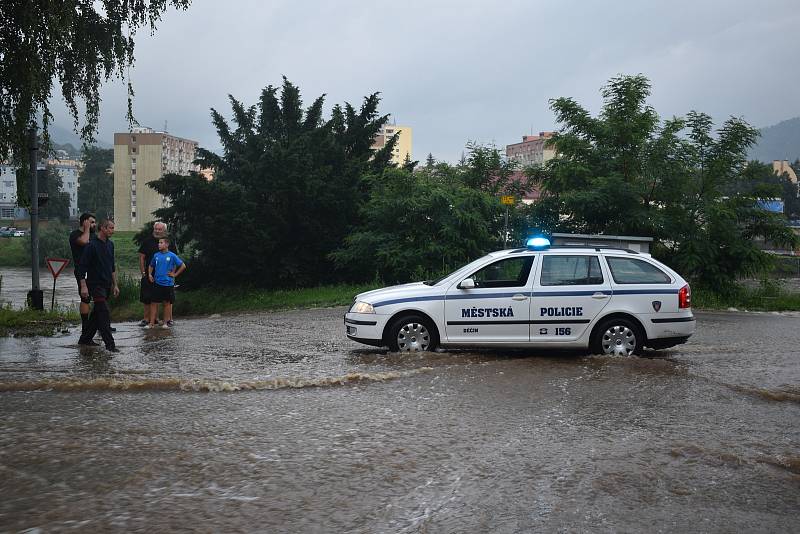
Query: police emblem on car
<point x="608" y="300"/>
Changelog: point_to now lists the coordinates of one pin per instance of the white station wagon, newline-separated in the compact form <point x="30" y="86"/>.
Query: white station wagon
<point x="609" y="300"/>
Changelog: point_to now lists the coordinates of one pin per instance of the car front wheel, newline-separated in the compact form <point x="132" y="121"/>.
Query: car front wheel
<point x="412" y="333"/>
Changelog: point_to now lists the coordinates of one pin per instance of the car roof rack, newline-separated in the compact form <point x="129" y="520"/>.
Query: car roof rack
<point x="597" y="248"/>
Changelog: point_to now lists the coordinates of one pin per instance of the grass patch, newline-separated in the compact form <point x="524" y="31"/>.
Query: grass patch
<point x="126" y="252"/>
<point x="222" y="300"/>
<point x="770" y="296"/>
<point x="27" y="322"/>
<point x="14" y="254"/>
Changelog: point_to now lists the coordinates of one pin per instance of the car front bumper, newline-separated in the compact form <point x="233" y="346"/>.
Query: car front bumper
<point x="365" y="328"/>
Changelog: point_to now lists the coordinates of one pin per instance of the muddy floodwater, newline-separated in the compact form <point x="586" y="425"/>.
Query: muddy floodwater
<point x="275" y="422"/>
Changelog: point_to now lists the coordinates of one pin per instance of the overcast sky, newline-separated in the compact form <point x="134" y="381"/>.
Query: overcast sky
<point x="460" y="71"/>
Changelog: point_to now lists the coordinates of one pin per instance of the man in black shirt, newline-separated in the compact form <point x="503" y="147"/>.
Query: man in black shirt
<point x="146" y="251"/>
<point x="78" y="240"/>
<point x="97" y="277"/>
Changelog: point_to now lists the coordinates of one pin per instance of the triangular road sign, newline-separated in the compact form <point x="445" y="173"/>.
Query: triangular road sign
<point x="56" y="265"/>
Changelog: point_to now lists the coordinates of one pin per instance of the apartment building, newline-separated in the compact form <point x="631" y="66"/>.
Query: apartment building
<point x="532" y="150"/>
<point x="69" y="170"/>
<point x="9" y="209"/>
<point x="140" y="157"/>
<point x="780" y="167"/>
<point x="404" y="141"/>
<point x="8" y="192"/>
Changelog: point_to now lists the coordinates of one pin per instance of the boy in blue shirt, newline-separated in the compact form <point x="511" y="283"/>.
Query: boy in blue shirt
<point x="164" y="268"/>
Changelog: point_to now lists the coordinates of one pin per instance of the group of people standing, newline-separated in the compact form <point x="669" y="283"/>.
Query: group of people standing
<point x="96" y="275"/>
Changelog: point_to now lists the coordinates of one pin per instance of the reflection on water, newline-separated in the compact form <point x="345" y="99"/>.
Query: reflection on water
<point x="265" y="423"/>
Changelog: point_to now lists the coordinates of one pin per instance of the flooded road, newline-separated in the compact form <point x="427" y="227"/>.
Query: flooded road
<point x="17" y="282"/>
<point x="278" y="423"/>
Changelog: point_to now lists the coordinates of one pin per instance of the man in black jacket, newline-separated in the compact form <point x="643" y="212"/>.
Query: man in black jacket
<point x="98" y="280"/>
<point x="78" y="240"/>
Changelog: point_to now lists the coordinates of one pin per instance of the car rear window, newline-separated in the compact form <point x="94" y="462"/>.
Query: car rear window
<point x="571" y="271"/>
<point x="633" y="271"/>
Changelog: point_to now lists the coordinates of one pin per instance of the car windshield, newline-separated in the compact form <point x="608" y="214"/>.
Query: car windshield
<point x="465" y="267"/>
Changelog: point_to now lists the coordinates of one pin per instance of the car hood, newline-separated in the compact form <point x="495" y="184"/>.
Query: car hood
<point x="403" y="290"/>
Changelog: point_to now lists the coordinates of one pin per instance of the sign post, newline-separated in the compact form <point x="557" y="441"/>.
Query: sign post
<point x="506" y="200"/>
<point x="55" y="265"/>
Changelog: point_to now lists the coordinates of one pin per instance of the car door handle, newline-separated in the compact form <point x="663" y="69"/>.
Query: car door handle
<point x="519" y="296"/>
<point x="599" y="295"/>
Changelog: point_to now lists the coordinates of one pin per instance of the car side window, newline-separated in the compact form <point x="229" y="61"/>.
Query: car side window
<point x="509" y="272"/>
<point x="571" y="271"/>
<point x="633" y="271"/>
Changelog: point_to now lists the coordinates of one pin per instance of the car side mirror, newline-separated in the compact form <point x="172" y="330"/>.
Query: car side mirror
<point x="467" y="283"/>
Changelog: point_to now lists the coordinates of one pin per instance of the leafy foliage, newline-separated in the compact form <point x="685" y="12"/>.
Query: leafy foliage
<point x="78" y="42"/>
<point x="417" y="225"/>
<point x="53" y="242"/>
<point x="626" y="172"/>
<point x="286" y="191"/>
<point x="96" y="182"/>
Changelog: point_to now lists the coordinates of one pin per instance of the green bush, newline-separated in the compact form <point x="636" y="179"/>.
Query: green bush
<point x="13" y="252"/>
<point x="53" y="242"/>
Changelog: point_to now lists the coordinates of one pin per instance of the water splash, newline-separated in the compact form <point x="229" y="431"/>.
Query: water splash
<point x="209" y="385"/>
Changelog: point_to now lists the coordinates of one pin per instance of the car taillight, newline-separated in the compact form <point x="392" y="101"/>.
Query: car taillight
<point x="685" y="297"/>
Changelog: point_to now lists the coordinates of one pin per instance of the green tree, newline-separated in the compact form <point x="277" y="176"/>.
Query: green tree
<point x="76" y="44"/>
<point x="79" y="44"/>
<point x="627" y="172"/>
<point x="96" y="182"/>
<point x="53" y="242"/>
<point x="57" y="205"/>
<point x="420" y="224"/>
<point x="286" y="191"/>
<point x="416" y="226"/>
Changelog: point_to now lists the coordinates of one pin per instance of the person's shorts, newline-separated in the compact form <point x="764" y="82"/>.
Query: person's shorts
<point x="163" y="294"/>
<point x="88" y="299"/>
<point x="146" y="290"/>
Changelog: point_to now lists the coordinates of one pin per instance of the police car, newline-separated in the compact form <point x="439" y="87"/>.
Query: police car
<point x="609" y="300"/>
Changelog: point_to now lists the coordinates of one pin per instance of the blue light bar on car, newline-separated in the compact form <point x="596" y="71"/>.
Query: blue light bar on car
<point x="538" y="243"/>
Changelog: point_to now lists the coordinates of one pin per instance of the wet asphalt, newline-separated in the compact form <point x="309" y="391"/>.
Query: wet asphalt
<point x="276" y="422"/>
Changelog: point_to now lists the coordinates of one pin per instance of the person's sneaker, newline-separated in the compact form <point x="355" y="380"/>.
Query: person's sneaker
<point x="170" y="323"/>
<point x="113" y="329"/>
<point x="112" y="349"/>
<point x="149" y="326"/>
<point x="88" y="344"/>
<point x="143" y="323"/>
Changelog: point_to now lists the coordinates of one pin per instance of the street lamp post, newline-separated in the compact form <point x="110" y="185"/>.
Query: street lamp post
<point x="35" y="295"/>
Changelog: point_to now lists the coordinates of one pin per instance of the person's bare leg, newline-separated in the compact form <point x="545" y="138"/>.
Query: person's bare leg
<point x="167" y="312"/>
<point x="154" y="313"/>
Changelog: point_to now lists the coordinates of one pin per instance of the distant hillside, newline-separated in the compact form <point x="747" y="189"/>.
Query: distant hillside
<point x="781" y="141"/>
<point x="64" y="136"/>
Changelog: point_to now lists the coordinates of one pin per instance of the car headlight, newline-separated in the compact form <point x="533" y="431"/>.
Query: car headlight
<point x="362" y="307"/>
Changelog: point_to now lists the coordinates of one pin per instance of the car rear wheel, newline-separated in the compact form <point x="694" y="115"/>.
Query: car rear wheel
<point x="618" y="337"/>
<point x="412" y="333"/>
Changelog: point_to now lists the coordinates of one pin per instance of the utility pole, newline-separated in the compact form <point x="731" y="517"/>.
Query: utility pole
<point x="505" y="232"/>
<point x="35" y="295"/>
